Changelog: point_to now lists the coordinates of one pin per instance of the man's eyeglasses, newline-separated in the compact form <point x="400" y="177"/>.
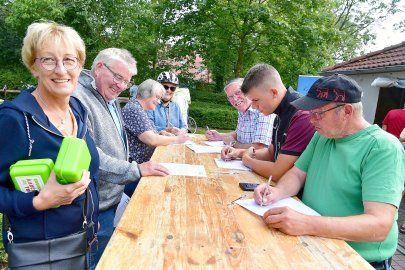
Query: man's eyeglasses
<point x="237" y="94"/>
<point x="319" y="115"/>
<point x="172" y="88"/>
<point x="118" y="78"/>
<point x="50" y="63"/>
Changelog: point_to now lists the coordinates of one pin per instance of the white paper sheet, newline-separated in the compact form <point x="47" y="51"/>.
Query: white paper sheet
<point x="298" y="206"/>
<point x="121" y="208"/>
<point x="188" y="142"/>
<point x="214" y="143"/>
<point x="231" y="164"/>
<point x="201" y="149"/>
<point x="185" y="169"/>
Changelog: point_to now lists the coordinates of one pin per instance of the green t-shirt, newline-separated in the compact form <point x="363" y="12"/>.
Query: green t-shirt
<point x="342" y="173"/>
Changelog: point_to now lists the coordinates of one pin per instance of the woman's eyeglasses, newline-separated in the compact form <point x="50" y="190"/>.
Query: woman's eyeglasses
<point x="50" y="63"/>
<point x="172" y="88"/>
<point x="118" y="78"/>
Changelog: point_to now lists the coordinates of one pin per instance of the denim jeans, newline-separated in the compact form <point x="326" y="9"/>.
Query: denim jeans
<point x="384" y="265"/>
<point x="106" y="219"/>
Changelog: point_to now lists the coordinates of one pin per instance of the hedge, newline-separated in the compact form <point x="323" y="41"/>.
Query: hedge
<point x="213" y="115"/>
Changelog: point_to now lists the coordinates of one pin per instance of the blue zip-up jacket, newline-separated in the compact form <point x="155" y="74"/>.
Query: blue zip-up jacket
<point x="159" y="118"/>
<point x="27" y="223"/>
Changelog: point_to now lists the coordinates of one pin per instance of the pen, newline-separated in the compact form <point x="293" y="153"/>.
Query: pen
<point x="266" y="188"/>
<point x="208" y="129"/>
<point x="225" y="172"/>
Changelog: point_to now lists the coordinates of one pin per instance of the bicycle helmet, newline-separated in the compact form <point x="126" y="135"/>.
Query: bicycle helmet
<point x="168" y="77"/>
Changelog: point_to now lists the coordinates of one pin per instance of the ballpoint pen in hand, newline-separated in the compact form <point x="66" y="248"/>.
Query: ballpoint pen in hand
<point x="265" y="189"/>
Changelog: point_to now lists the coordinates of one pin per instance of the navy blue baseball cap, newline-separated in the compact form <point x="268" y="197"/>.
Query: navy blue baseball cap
<point x="333" y="88"/>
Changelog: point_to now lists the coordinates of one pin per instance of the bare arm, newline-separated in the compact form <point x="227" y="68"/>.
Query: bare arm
<point x="371" y="226"/>
<point x="151" y="138"/>
<point x="262" y="165"/>
<point x="289" y="185"/>
<point x="248" y="145"/>
<point x="213" y="135"/>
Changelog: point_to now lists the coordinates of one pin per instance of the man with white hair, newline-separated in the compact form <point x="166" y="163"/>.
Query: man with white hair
<point x="98" y="90"/>
<point x="254" y="129"/>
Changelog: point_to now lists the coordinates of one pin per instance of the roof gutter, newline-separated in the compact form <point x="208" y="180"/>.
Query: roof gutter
<point x="388" y="69"/>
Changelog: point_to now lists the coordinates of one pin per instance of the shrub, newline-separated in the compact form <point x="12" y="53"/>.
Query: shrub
<point x="210" y="97"/>
<point x="213" y="115"/>
<point x="16" y="78"/>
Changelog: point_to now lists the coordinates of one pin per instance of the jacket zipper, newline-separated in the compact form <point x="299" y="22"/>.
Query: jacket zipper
<point x="50" y="131"/>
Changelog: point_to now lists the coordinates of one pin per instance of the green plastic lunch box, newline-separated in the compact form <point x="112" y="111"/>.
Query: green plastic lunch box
<point x="73" y="158"/>
<point x="31" y="175"/>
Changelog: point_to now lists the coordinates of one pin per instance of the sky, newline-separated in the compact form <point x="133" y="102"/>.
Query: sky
<point x="386" y="35"/>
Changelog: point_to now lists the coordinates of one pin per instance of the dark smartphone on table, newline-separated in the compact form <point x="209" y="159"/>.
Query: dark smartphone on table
<point x="248" y="186"/>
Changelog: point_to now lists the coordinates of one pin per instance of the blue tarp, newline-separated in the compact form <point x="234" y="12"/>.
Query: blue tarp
<point x="305" y="82"/>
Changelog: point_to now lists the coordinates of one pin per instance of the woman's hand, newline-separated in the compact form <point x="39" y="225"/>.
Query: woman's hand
<point x="53" y="193"/>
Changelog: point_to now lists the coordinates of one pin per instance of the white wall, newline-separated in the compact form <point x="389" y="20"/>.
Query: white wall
<point x="370" y="94"/>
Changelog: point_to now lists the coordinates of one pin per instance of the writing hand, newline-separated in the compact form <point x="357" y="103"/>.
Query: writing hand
<point x="228" y="153"/>
<point x="213" y="135"/>
<point x="271" y="196"/>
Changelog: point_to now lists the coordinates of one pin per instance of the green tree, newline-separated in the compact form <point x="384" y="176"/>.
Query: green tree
<point x="231" y="36"/>
<point x="355" y="21"/>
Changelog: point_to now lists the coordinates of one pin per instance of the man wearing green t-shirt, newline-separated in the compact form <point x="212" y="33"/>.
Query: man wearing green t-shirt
<point x="352" y="172"/>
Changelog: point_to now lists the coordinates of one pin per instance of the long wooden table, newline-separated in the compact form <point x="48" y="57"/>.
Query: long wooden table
<point x="180" y="222"/>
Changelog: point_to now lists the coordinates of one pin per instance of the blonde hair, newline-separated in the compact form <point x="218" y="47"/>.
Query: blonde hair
<point x="40" y="32"/>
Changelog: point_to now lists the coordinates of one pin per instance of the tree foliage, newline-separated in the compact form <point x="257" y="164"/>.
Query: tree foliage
<point x="297" y="37"/>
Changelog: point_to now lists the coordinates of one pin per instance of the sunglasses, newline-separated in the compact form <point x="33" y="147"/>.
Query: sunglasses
<point x="172" y="88"/>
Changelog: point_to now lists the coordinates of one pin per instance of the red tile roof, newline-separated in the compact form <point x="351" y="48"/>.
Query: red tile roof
<point x="384" y="59"/>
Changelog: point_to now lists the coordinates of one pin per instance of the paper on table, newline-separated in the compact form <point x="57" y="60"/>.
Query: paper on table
<point x="121" y="208"/>
<point x="200" y="149"/>
<point x="231" y="164"/>
<point x="188" y="142"/>
<point x="185" y="169"/>
<point x="214" y="143"/>
<point x="298" y="206"/>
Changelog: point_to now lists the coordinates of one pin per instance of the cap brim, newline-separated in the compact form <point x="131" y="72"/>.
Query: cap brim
<point x="306" y="103"/>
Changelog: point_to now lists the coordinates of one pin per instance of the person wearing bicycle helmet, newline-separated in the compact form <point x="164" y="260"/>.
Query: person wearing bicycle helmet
<point x="167" y="115"/>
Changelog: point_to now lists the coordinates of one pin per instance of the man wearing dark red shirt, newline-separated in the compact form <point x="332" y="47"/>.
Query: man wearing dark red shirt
<point x="394" y="122"/>
<point x="292" y="129"/>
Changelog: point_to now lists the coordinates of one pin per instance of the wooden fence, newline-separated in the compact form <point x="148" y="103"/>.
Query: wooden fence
<point x="6" y="91"/>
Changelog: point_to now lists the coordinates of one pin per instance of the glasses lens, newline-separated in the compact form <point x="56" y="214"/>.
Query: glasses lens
<point x="48" y="63"/>
<point x="172" y="88"/>
<point x="118" y="79"/>
<point x="70" y="63"/>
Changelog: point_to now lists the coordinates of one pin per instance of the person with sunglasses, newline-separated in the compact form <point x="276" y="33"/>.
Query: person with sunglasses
<point x="167" y="116"/>
<point x="352" y="173"/>
<point x="98" y="89"/>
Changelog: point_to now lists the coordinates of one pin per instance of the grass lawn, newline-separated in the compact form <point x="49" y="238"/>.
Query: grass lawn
<point x="3" y="255"/>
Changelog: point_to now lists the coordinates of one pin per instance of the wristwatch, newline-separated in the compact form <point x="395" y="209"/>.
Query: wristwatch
<point x="232" y="143"/>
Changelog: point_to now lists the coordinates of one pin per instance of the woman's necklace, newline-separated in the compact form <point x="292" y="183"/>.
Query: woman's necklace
<point x="62" y="119"/>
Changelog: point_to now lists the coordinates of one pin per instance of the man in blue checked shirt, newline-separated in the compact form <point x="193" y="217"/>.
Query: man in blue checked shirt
<point x="253" y="129"/>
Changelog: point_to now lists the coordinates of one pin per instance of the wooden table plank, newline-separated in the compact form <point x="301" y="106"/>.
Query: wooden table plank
<point x="180" y="222"/>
